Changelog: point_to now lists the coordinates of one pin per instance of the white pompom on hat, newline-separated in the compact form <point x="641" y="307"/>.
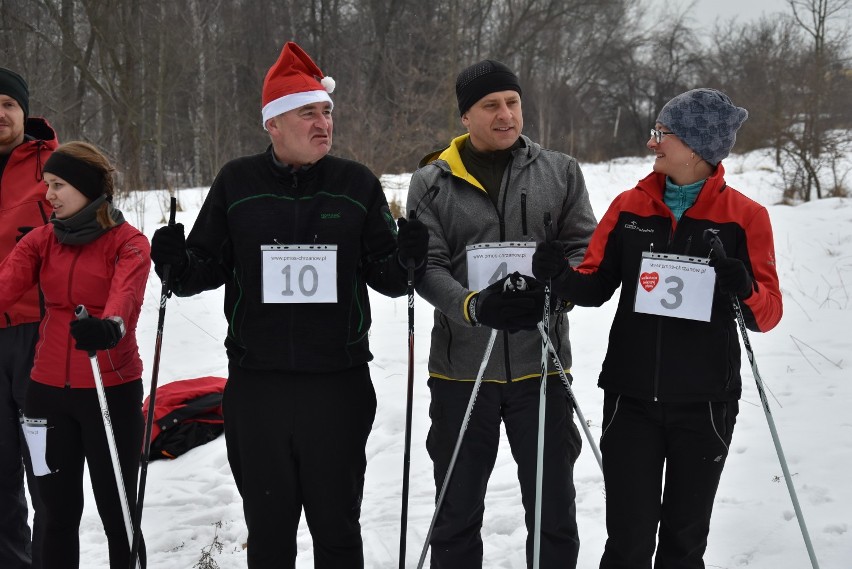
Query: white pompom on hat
<point x="294" y="81"/>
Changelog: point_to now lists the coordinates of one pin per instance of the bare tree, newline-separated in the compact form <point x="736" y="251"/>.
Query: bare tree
<point x="760" y="66"/>
<point x="172" y="89"/>
<point x="811" y="146"/>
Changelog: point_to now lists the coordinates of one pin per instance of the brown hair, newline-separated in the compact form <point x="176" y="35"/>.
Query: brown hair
<point x="91" y="155"/>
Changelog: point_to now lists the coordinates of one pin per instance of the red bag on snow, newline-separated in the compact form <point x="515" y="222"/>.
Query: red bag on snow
<point x="188" y="413"/>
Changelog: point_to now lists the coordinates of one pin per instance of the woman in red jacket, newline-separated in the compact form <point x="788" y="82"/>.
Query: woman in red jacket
<point x="88" y="255"/>
<point x="671" y="376"/>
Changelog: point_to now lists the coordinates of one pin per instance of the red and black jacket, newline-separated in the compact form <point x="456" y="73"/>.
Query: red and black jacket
<point x="672" y="359"/>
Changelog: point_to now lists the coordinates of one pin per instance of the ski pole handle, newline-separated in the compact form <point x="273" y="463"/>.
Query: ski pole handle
<point x="409" y="263"/>
<point x="412" y="215"/>
<point x="167" y="269"/>
<point x="81" y="313"/>
<point x="715" y="243"/>
<point x="548" y="227"/>
<point x="172" y="208"/>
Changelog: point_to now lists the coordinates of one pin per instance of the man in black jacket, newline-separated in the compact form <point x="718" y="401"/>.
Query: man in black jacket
<point x="296" y="236"/>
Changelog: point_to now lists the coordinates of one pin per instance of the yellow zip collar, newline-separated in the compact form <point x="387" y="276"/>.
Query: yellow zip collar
<point x="452" y="157"/>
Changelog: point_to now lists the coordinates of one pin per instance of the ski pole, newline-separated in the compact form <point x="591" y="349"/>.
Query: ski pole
<point x="81" y="313"/>
<point x="542" y="407"/>
<point x="455" y="455"/>
<point x="152" y="399"/>
<point x="406" y="461"/>
<point x="719" y="249"/>
<point x="567" y="384"/>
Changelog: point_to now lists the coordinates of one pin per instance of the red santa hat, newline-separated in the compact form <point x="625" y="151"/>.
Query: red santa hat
<point x="294" y="81"/>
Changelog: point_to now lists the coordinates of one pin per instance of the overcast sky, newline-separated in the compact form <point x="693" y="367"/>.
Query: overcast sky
<point x="704" y="13"/>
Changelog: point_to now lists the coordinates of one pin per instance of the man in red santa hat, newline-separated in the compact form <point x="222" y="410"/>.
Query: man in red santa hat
<point x="296" y="236"/>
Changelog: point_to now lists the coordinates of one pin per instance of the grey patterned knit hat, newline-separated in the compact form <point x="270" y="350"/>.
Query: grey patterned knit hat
<point x="706" y="120"/>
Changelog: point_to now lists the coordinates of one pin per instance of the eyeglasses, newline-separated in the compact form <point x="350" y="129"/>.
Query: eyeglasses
<point x="657" y="135"/>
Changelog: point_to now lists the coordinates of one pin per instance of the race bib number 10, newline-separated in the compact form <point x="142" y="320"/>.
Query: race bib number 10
<point x="676" y="286"/>
<point x="297" y="274"/>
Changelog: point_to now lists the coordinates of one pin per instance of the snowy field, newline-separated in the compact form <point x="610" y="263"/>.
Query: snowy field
<point x="806" y="363"/>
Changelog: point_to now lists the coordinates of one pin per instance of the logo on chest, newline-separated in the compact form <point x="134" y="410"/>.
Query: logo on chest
<point x="633" y="226"/>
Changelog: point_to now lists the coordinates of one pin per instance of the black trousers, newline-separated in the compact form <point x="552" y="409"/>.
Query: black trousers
<point x="456" y="541"/>
<point x="16" y="361"/>
<point x="640" y="438"/>
<point x="76" y="435"/>
<point x="298" y="441"/>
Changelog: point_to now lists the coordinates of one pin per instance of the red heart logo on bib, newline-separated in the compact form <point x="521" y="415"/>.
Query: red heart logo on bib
<point x="649" y="280"/>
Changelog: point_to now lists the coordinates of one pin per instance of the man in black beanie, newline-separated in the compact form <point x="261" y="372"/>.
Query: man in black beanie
<point x="497" y="187"/>
<point x="25" y="144"/>
<point x="14" y="110"/>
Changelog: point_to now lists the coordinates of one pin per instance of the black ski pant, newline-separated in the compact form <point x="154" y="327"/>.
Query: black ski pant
<point x="298" y="441"/>
<point x="456" y="541"/>
<point x="641" y="440"/>
<point x="17" y="550"/>
<point x="76" y="434"/>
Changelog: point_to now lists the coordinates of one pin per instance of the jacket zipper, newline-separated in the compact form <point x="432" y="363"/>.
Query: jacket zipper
<point x="70" y="348"/>
<point x="524" y="211"/>
<point x="501" y="215"/>
<point x="658" y="357"/>
<point x="659" y="347"/>
<point x="294" y="186"/>
<point x="730" y="366"/>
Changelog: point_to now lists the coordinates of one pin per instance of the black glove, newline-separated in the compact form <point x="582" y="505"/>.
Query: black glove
<point x="514" y="303"/>
<point x="168" y="247"/>
<point x="732" y="277"/>
<point x="412" y="241"/>
<point x="94" y="334"/>
<point x="23" y="231"/>
<point x="549" y="260"/>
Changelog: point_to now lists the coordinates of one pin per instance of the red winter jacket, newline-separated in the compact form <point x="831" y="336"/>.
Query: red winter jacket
<point x="23" y="204"/>
<point x="107" y="276"/>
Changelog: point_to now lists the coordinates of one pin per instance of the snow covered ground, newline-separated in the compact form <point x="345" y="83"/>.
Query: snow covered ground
<point x="805" y="363"/>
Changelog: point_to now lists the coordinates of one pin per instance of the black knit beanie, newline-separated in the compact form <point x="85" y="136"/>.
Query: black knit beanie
<point x="482" y="78"/>
<point x="13" y="85"/>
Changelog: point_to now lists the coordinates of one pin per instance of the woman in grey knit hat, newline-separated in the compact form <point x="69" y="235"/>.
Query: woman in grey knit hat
<point x="671" y="376"/>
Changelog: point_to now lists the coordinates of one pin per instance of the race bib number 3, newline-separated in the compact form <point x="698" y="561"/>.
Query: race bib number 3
<point x="298" y="274"/>
<point x="676" y="286"/>
<point x="489" y="262"/>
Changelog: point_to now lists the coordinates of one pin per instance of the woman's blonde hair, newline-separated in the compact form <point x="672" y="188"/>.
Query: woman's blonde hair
<point x="91" y="155"/>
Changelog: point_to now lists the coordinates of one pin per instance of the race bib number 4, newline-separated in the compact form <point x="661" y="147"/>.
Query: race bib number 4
<point x="298" y="274"/>
<point x="487" y="263"/>
<point x="676" y="286"/>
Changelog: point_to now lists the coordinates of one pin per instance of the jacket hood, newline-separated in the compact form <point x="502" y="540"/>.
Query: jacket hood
<point x="39" y="142"/>
<point x="39" y="129"/>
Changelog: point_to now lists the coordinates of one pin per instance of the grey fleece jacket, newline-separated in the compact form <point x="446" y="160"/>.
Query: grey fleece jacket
<point x="461" y="213"/>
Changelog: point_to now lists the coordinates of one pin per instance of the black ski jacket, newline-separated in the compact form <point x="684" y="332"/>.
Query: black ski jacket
<point x="255" y="202"/>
